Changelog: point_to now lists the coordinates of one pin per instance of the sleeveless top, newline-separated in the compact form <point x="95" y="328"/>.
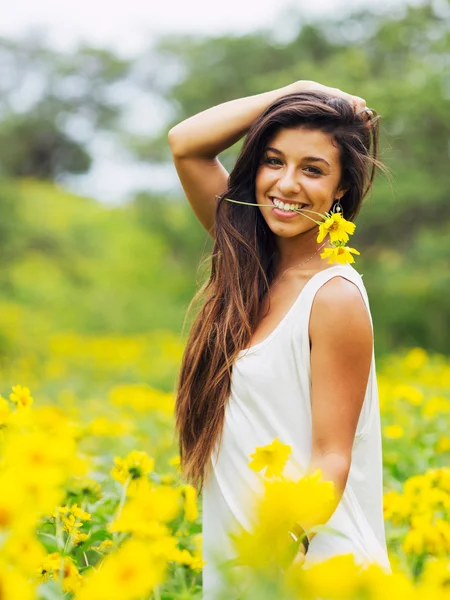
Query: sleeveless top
<point x="269" y="398"/>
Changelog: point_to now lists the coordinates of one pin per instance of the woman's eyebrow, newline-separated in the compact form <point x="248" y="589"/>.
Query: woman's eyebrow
<point x="308" y="158"/>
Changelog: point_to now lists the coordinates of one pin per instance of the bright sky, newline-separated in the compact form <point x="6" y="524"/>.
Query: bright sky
<point x="130" y="26"/>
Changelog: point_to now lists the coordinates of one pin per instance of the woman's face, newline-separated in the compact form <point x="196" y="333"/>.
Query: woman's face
<point x="291" y="172"/>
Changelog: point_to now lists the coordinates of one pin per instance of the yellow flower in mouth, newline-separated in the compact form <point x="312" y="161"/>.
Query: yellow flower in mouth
<point x="337" y="227"/>
<point x="333" y="224"/>
<point x="340" y="254"/>
<point x="272" y="457"/>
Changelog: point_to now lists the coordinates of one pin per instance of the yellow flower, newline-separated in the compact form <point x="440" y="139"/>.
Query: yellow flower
<point x="130" y="572"/>
<point x="416" y="359"/>
<point x="135" y="465"/>
<point x="105" y="546"/>
<point x="337" y="227"/>
<point x="396" y="507"/>
<point x="336" y="577"/>
<point x="5" y="411"/>
<point x="340" y="254"/>
<point x="409" y="393"/>
<point x="21" y="395"/>
<point x="437" y="572"/>
<point x="306" y="501"/>
<point x="443" y="444"/>
<point x="333" y="224"/>
<point x="190" y="502"/>
<point x="283" y="505"/>
<point x="147" y="512"/>
<point x="24" y="551"/>
<point x="393" y="431"/>
<point x="79" y="538"/>
<point x="436" y="405"/>
<point x="272" y="457"/>
<point x="14" y="584"/>
<point x="55" y="565"/>
<point x="427" y="536"/>
<point x="175" y="461"/>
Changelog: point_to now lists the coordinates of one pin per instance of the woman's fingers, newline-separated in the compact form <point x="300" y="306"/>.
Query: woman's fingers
<point x="299" y="559"/>
<point x="357" y="102"/>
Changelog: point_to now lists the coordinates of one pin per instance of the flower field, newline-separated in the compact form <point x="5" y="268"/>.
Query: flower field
<point x="92" y="506"/>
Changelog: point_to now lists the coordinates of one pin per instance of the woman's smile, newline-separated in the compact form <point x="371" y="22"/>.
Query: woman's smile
<point x="286" y="209"/>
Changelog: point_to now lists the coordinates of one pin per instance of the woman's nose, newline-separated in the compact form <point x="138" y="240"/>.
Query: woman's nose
<point x="288" y="183"/>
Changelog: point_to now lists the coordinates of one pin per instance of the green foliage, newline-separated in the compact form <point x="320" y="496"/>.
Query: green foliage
<point x="73" y="264"/>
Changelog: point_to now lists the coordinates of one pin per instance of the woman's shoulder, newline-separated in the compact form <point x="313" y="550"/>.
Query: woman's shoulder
<point x="341" y="301"/>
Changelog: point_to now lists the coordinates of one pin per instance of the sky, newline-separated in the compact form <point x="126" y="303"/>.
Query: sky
<point x="128" y="27"/>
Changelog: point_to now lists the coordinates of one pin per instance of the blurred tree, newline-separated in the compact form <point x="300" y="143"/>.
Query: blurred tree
<point x="53" y="104"/>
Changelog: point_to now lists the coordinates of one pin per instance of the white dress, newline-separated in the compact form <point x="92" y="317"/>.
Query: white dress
<point x="270" y="397"/>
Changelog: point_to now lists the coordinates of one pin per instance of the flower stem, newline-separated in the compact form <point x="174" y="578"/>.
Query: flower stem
<point x="297" y="210"/>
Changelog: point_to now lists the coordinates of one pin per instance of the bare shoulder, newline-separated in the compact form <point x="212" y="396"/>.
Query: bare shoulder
<point x="339" y="312"/>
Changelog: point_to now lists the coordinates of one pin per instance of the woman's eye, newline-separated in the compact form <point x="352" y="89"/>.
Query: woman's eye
<point x="315" y="170"/>
<point x="271" y="158"/>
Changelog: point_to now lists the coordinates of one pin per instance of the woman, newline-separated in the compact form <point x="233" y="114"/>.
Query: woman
<point x="283" y="344"/>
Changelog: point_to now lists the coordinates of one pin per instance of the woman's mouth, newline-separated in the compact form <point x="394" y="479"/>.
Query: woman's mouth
<point x="286" y="209"/>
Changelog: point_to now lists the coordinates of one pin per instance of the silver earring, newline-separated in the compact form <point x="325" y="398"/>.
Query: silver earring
<point x="337" y="207"/>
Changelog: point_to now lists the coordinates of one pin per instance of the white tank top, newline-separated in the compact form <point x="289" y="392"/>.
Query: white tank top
<point x="270" y="397"/>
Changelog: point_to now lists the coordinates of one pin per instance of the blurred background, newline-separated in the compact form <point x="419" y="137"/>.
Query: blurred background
<point x="99" y="248"/>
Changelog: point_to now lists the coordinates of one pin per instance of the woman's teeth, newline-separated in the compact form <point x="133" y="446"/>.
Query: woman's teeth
<point x="288" y="207"/>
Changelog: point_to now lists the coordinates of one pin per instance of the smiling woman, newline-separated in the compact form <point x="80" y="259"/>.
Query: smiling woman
<point x="280" y="350"/>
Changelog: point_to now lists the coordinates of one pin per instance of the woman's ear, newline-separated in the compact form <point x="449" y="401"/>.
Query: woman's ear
<point x="341" y="192"/>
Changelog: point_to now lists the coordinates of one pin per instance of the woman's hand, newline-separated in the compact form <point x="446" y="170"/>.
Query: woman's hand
<point x="358" y="103"/>
<point x="299" y="558"/>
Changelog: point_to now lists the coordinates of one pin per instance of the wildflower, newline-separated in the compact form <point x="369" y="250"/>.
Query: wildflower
<point x="72" y="518"/>
<point x="148" y="511"/>
<point x="130" y="572"/>
<point x="443" y="444"/>
<point x="56" y="566"/>
<point x="272" y="457"/>
<point x="78" y="538"/>
<point x="21" y="395"/>
<point x="24" y="551"/>
<point x="408" y="393"/>
<point x="283" y="505"/>
<point x="175" y="461"/>
<point x="393" y="431"/>
<point x="436" y="405"/>
<point x="336" y="577"/>
<point x="135" y="465"/>
<point x="5" y="412"/>
<point x="396" y="507"/>
<point x="332" y="224"/>
<point x="105" y="546"/>
<point x="190" y="502"/>
<point x="339" y="254"/>
<point x="14" y="584"/>
<point x="337" y="227"/>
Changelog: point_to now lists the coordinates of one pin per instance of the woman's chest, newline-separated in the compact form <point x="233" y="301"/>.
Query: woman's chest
<point x="275" y="307"/>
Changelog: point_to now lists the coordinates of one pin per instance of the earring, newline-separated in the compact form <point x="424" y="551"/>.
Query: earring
<point x="337" y="207"/>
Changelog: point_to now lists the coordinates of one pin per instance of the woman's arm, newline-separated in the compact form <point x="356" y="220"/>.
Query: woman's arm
<point x="341" y="354"/>
<point x="196" y="142"/>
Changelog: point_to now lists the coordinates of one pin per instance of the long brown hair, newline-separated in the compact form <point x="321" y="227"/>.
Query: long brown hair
<point x="243" y="265"/>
